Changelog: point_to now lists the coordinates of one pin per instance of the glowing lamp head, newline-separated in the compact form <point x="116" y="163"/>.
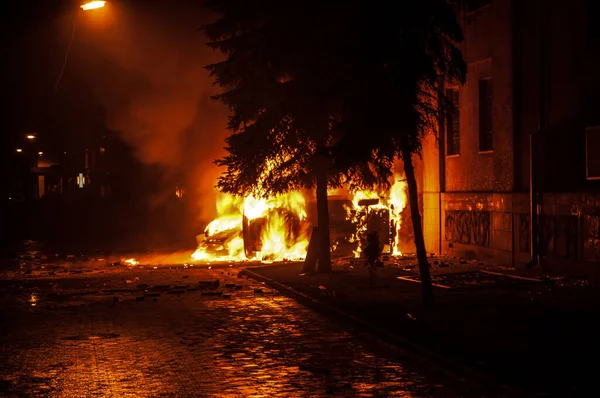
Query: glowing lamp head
<point x="30" y="136"/>
<point x="92" y="5"/>
<point x="19" y="150"/>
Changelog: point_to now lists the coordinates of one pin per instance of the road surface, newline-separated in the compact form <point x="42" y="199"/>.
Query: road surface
<point x="99" y="333"/>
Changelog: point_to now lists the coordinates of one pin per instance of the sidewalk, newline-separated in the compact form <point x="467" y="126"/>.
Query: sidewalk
<point x="536" y="335"/>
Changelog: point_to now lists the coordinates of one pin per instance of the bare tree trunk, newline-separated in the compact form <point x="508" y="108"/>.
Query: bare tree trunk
<point x="413" y="196"/>
<point x="324" y="261"/>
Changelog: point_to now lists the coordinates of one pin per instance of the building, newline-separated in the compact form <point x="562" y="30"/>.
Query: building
<point x="530" y="94"/>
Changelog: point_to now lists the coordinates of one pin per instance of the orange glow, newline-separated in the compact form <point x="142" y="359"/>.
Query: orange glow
<point x="132" y="262"/>
<point x="279" y="224"/>
<point x="394" y="201"/>
<point x="92" y="5"/>
<point x="33" y="299"/>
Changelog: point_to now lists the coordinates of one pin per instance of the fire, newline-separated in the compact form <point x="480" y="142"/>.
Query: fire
<point x="387" y="205"/>
<point x="271" y="229"/>
<point x="131" y="262"/>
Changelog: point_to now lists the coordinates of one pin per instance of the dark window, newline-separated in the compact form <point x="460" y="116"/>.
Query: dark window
<point x="473" y="5"/>
<point x="486" y="131"/>
<point x="453" y="122"/>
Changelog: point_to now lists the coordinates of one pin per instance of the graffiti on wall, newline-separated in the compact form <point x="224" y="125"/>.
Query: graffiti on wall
<point x="458" y="226"/>
<point x="574" y="236"/>
<point x="468" y="227"/>
<point x="481" y="227"/>
<point x="558" y="235"/>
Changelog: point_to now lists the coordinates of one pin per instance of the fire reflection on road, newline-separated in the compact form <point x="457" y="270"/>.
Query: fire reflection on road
<point x="250" y="342"/>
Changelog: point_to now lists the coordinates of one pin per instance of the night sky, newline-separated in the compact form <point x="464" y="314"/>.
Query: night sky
<point x="135" y="70"/>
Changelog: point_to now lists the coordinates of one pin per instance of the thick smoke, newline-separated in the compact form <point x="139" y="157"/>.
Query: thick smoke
<point x="157" y="95"/>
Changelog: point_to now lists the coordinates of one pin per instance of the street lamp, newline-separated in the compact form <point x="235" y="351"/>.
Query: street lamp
<point x="19" y="150"/>
<point x="92" y="5"/>
<point x="30" y="136"/>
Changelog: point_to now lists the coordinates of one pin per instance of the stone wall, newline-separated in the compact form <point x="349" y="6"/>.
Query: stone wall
<point x="485" y="226"/>
<point x="495" y="227"/>
<point x="570" y="228"/>
<point x="430" y="184"/>
<point x="468" y="227"/>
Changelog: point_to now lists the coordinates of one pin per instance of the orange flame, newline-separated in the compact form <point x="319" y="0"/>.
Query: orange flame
<point x="392" y="201"/>
<point x="279" y="238"/>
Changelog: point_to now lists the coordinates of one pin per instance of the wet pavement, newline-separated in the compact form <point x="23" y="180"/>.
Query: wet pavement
<point x="170" y="332"/>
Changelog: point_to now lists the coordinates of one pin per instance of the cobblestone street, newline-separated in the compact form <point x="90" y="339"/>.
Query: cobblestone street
<point x="102" y="336"/>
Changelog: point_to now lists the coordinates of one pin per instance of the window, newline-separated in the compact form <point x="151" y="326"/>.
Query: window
<point x="474" y="5"/>
<point x="453" y="123"/>
<point x="486" y="131"/>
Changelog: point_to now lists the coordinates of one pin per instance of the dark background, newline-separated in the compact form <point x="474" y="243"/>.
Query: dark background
<point x="135" y="87"/>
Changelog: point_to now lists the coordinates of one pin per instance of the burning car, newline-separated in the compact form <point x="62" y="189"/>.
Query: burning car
<point x="256" y="229"/>
<point x="278" y="228"/>
<point x="218" y="245"/>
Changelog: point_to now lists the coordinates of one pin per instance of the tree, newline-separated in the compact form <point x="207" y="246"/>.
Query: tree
<point x="280" y="92"/>
<point x="325" y="93"/>
<point x="396" y="95"/>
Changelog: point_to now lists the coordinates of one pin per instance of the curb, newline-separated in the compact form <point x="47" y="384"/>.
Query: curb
<point x="449" y="367"/>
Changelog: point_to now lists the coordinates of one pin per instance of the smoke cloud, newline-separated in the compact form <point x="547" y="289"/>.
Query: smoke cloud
<point x="157" y="93"/>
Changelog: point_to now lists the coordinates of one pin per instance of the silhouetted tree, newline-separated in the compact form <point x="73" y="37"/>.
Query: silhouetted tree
<point x="395" y="94"/>
<point x="280" y="89"/>
<point x="324" y="93"/>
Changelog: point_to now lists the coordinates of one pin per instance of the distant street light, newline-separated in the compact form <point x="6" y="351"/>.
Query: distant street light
<point x="30" y="136"/>
<point x="40" y="153"/>
<point x="92" y="5"/>
<point x="19" y="150"/>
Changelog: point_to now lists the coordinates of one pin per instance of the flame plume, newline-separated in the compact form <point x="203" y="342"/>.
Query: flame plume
<point x="390" y="202"/>
<point x="270" y="229"/>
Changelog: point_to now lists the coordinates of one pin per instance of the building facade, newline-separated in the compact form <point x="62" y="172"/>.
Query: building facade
<point x="528" y="104"/>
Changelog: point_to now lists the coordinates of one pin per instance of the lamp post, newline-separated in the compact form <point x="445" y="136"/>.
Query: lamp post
<point x="92" y="5"/>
